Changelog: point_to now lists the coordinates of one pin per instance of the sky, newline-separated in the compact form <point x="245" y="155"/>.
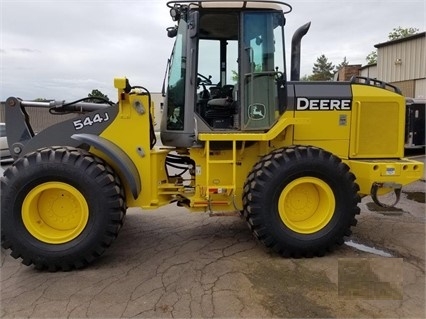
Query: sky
<point x="63" y="49"/>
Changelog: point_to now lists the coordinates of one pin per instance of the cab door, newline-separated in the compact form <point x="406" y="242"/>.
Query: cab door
<point x="262" y="64"/>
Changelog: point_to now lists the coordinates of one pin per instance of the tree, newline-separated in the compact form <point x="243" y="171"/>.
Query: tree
<point x="97" y="94"/>
<point x="343" y="64"/>
<point x="372" y="57"/>
<point x="395" y="34"/>
<point x="234" y="77"/>
<point x="322" y="70"/>
<point x="305" y="78"/>
<point x="399" y="33"/>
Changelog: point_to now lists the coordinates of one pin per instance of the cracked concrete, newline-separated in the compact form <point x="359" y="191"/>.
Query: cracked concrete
<point x="170" y="263"/>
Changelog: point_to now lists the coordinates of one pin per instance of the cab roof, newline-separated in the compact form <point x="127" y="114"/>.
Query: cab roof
<point x="252" y="4"/>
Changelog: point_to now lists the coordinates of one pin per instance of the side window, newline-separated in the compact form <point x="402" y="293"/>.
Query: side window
<point x="232" y="62"/>
<point x="209" y="59"/>
<point x="262" y="40"/>
<point x="209" y="64"/>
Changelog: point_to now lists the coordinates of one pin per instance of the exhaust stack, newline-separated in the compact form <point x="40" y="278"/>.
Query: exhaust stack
<point x="295" y="51"/>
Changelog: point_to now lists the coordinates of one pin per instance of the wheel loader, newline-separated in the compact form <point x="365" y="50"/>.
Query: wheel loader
<point x="239" y="132"/>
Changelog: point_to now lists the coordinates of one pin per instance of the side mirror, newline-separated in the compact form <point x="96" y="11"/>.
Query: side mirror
<point x="171" y="32"/>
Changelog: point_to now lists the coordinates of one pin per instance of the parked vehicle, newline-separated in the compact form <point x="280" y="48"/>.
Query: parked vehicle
<point x="415" y="123"/>
<point x="4" y="147"/>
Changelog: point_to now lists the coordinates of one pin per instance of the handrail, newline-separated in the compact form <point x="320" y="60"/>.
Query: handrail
<point x="374" y="82"/>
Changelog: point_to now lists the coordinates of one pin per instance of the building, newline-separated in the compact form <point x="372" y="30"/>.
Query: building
<point x="368" y="71"/>
<point x="400" y="62"/>
<point x="347" y="72"/>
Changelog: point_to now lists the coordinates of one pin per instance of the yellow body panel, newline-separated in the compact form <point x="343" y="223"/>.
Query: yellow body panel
<point x="217" y="188"/>
<point x="378" y="120"/>
<point x="402" y="171"/>
<point x="219" y="174"/>
<point x="327" y="129"/>
<point x="130" y="131"/>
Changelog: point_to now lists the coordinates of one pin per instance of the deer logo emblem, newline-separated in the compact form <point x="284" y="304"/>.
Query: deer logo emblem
<point x="257" y="111"/>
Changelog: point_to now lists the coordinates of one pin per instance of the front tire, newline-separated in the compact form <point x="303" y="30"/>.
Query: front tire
<point x="301" y="201"/>
<point x="61" y="208"/>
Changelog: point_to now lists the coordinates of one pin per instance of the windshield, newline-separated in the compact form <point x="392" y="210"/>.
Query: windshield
<point x="176" y="81"/>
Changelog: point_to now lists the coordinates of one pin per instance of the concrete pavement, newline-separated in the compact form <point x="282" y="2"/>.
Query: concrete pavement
<point x="171" y="263"/>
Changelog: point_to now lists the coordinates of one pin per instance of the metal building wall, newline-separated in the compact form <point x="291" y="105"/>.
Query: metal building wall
<point x="369" y="71"/>
<point x="407" y="87"/>
<point x="402" y="61"/>
<point x="420" y="89"/>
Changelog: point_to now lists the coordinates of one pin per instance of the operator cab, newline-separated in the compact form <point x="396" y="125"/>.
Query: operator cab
<point x="227" y="69"/>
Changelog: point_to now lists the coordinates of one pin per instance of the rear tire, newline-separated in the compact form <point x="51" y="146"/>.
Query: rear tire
<point x="301" y="201"/>
<point x="61" y="208"/>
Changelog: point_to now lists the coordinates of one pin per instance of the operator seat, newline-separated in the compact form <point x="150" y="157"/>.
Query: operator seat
<point x="221" y="109"/>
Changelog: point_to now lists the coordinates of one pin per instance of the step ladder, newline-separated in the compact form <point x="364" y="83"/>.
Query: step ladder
<point x="229" y="189"/>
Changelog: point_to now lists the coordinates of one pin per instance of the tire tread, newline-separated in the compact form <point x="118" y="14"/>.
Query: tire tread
<point x="96" y="168"/>
<point x="260" y="176"/>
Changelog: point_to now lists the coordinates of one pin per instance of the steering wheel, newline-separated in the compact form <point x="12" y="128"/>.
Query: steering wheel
<point x="204" y="79"/>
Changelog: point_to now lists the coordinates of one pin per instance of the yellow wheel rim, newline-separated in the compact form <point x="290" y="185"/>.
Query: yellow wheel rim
<point x="55" y="212"/>
<point x="306" y="205"/>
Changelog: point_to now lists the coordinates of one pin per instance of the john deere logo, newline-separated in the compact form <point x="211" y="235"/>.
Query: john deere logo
<point x="257" y="111"/>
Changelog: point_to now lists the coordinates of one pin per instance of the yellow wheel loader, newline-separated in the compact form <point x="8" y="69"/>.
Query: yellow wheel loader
<point x="239" y="132"/>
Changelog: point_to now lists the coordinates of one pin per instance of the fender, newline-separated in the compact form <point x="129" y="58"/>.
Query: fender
<point x="124" y="164"/>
